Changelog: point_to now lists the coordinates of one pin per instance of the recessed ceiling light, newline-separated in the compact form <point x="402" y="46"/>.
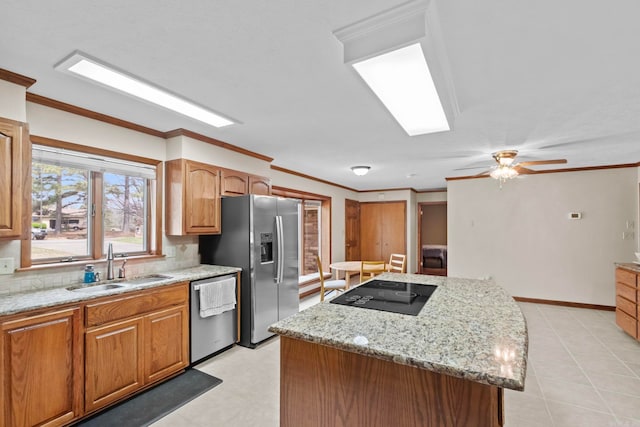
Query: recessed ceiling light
<point x="81" y="65"/>
<point x="402" y="81"/>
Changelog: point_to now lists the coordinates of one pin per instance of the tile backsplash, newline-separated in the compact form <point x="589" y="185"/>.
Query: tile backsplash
<point x="180" y="252"/>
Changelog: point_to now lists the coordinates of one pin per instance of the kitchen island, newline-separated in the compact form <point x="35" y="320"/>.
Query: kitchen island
<point x="447" y="366"/>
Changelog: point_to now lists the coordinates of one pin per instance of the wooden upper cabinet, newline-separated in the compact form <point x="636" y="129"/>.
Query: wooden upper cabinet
<point x="42" y="372"/>
<point x="259" y="185"/>
<point x="193" y="198"/>
<point x="15" y="167"/>
<point x="234" y="183"/>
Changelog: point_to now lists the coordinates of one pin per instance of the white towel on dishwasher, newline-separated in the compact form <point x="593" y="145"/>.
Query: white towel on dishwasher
<point x="217" y="297"/>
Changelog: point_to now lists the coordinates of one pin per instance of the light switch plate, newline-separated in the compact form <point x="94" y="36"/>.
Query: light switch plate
<point x="6" y="266"/>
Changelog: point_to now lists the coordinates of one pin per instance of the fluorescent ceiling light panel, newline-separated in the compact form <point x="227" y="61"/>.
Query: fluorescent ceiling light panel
<point x="95" y="71"/>
<point x="402" y="81"/>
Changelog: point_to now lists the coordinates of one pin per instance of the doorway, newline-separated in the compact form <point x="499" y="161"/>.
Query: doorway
<point x="432" y="238"/>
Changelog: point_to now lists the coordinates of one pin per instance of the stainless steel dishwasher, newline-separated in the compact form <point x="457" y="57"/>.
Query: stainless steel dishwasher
<point x="211" y="334"/>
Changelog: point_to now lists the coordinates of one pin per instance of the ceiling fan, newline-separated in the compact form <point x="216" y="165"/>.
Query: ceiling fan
<point x="507" y="168"/>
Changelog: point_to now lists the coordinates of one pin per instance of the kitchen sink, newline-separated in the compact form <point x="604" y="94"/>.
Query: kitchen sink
<point x="95" y="288"/>
<point x="147" y="279"/>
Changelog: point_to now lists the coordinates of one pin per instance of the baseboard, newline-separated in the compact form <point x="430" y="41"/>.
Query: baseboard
<point x="566" y="303"/>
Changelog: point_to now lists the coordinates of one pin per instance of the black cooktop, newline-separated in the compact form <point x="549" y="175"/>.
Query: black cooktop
<point x="385" y="295"/>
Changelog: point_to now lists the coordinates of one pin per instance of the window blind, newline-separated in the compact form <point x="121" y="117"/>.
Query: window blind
<point x="96" y="163"/>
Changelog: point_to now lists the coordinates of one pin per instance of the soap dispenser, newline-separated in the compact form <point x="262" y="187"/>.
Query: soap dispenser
<point x="89" y="274"/>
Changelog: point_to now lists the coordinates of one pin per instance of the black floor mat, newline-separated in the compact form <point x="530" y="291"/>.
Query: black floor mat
<point x="155" y="403"/>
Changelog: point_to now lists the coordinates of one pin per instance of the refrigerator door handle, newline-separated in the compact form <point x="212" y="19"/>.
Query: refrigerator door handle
<point x="280" y="259"/>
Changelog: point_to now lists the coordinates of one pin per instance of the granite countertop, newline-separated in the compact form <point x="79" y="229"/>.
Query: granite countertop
<point x="26" y="301"/>
<point x="633" y="266"/>
<point x="470" y="329"/>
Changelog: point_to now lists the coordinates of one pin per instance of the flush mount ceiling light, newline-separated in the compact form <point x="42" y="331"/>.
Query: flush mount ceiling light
<point x="401" y="59"/>
<point x="402" y="81"/>
<point x="84" y="66"/>
<point x="360" y="170"/>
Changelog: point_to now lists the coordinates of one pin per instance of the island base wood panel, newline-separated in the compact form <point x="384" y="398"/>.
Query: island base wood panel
<point x="324" y="386"/>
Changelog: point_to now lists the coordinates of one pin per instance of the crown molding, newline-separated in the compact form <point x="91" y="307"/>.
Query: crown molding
<point x="16" y="78"/>
<point x="580" y="169"/>
<point x="313" y="178"/>
<point x="69" y="108"/>
<point x="216" y="142"/>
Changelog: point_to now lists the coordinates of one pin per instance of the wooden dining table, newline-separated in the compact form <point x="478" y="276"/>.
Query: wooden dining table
<point x="349" y="268"/>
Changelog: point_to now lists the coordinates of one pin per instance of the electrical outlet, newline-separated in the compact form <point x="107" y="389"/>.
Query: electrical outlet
<point x="6" y="266"/>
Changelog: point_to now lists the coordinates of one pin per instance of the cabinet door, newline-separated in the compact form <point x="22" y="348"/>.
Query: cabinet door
<point x="259" y="185"/>
<point x="114" y="362"/>
<point x="394" y="229"/>
<point x="166" y="342"/>
<point x="233" y="183"/>
<point x="202" y="199"/>
<point x="371" y="231"/>
<point x="13" y="152"/>
<point x="41" y="373"/>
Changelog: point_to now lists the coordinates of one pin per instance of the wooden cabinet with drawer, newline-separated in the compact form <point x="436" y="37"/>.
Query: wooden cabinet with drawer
<point x="132" y="341"/>
<point x="41" y="370"/>
<point x="627" y="301"/>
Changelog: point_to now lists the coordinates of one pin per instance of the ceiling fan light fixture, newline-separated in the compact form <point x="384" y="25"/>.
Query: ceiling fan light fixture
<point x="360" y="170"/>
<point x="503" y="172"/>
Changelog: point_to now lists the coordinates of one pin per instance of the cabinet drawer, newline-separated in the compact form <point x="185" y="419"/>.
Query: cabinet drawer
<point x="127" y="306"/>
<point x="626" y="292"/>
<point x="626" y="277"/>
<point x="626" y="306"/>
<point x="626" y="322"/>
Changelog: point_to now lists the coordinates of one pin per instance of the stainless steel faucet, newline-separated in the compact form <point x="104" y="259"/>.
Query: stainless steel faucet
<point x="110" y="275"/>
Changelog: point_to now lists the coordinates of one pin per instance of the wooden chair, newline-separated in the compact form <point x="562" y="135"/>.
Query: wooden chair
<point x="397" y="263"/>
<point x="370" y="269"/>
<point x="330" y="285"/>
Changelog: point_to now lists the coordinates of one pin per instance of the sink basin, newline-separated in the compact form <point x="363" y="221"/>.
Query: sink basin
<point x="147" y="279"/>
<point x="95" y="288"/>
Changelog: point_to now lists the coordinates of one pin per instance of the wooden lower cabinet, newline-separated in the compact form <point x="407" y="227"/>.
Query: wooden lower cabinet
<point x="114" y="362"/>
<point x="167" y="342"/>
<point x="60" y="365"/>
<point x="41" y="369"/>
<point x="627" y="301"/>
<point x="125" y="355"/>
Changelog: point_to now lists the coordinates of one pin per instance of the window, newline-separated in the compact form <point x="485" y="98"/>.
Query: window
<point x="84" y="198"/>
<point x="314" y="228"/>
<point x="311" y="236"/>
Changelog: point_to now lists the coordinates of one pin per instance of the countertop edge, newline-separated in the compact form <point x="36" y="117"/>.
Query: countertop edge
<point x="23" y="302"/>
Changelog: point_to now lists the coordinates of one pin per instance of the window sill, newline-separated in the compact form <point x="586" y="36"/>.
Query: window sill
<point x="83" y="262"/>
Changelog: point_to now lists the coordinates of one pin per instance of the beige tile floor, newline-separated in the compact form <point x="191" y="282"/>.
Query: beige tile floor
<point x="583" y="371"/>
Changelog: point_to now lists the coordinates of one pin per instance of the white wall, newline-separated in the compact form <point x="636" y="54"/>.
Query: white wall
<point x="12" y="100"/>
<point x="521" y="235"/>
<point x="56" y="124"/>
<point x="189" y="148"/>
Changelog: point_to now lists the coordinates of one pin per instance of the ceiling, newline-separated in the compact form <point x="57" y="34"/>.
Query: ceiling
<point x="553" y="79"/>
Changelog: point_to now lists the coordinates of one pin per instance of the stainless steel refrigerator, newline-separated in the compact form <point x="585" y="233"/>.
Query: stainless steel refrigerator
<point x="260" y="235"/>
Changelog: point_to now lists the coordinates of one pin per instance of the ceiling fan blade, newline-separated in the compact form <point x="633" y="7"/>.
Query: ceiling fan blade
<point x="542" y="162"/>
<point x="483" y="173"/>
<point x="471" y="167"/>
<point x="523" y="171"/>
